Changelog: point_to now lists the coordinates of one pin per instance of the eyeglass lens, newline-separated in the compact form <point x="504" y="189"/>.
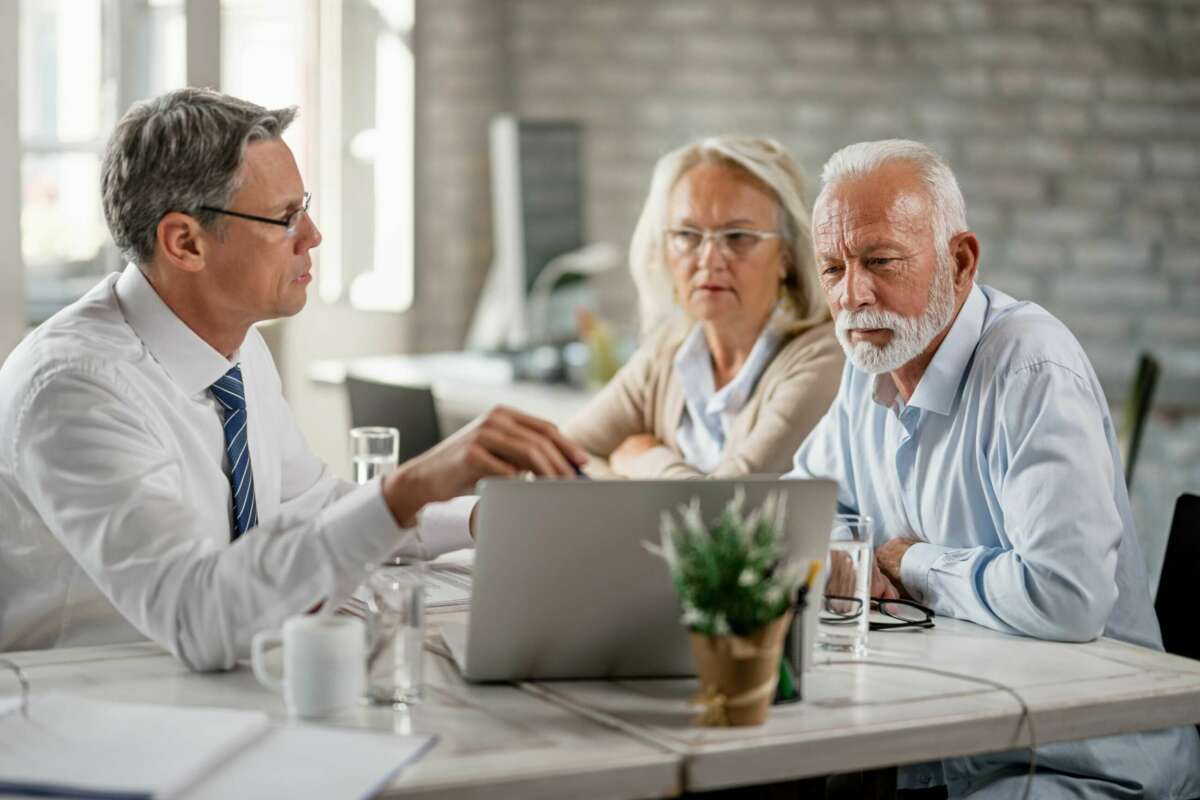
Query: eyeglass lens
<point x="293" y="219"/>
<point x="733" y="242"/>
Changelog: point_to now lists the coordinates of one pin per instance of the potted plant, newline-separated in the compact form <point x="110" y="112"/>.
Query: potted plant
<point x="738" y="591"/>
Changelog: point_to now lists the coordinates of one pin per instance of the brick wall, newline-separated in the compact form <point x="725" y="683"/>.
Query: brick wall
<point x="1074" y="128"/>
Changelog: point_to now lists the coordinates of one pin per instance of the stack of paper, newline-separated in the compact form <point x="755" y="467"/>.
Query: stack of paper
<point x="79" y="747"/>
<point x="70" y="745"/>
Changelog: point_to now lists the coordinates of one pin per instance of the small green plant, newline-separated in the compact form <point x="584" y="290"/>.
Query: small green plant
<point x="731" y="576"/>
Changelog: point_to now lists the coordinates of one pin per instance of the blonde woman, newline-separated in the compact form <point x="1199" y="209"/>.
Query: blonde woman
<point x="739" y="359"/>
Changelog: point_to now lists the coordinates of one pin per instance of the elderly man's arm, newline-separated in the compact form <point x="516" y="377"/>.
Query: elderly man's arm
<point x="1052" y="474"/>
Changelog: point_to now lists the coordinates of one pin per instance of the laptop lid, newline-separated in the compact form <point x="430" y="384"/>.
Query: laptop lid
<point x="564" y="588"/>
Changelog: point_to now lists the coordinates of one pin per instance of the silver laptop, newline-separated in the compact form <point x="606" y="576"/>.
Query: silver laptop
<point x="564" y="588"/>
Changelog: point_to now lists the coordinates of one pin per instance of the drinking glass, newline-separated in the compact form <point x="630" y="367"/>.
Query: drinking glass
<point x="395" y="632"/>
<point x="845" y="611"/>
<point x="374" y="452"/>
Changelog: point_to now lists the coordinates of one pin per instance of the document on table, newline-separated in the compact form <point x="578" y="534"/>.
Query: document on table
<point x="75" y="746"/>
<point x="447" y="586"/>
<point x="447" y="583"/>
<point x="301" y="761"/>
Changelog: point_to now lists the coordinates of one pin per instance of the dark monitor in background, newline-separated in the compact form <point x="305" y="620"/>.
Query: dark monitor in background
<point x="551" y="192"/>
<point x="537" y="217"/>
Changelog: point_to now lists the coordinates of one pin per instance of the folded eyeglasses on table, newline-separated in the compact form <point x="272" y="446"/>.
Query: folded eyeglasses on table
<point x="840" y="610"/>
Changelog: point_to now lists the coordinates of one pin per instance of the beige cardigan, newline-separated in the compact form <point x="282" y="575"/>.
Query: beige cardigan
<point x="792" y="394"/>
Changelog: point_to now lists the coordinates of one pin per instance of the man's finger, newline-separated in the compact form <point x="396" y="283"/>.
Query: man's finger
<point x="535" y="441"/>
<point x="522" y="449"/>
<point x="571" y="451"/>
<point x="487" y="464"/>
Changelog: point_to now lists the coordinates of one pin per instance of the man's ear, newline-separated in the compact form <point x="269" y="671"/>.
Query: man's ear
<point x="964" y="252"/>
<point x="181" y="241"/>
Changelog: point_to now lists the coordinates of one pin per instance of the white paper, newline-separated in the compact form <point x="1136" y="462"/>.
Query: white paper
<point x="301" y="761"/>
<point x="75" y="743"/>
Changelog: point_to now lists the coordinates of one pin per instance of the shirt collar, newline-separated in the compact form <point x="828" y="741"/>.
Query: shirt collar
<point x="189" y="360"/>
<point x="694" y="365"/>
<point x="938" y="387"/>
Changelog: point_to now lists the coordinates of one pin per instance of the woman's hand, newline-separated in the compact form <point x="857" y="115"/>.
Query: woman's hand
<point x="621" y="460"/>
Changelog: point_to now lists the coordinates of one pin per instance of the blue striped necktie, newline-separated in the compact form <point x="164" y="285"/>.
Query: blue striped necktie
<point x="230" y="393"/>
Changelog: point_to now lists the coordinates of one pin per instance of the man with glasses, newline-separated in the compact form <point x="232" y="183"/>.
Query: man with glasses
<point x="152" y="480"/>
<point x="972" y="429"/>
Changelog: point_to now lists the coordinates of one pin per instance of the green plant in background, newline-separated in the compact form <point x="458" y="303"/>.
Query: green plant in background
<point x="731" y="576"/>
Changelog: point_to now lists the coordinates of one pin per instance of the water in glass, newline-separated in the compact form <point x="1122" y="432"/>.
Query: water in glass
<point x="374" y="451"/>
<point x="369" y="467"/>
<point x="396" y="628"/>
<point x="845" y="612"/>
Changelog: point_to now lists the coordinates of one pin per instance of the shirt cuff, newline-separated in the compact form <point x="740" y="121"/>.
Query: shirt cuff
<point x="443" y="527"/>
<point x="915" y="567"/>
<point x="360" y="530"/>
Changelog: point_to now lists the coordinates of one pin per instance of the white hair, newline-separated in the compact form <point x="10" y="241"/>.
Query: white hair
<point x="864" y="158"/>
<point x="767" y="161"/>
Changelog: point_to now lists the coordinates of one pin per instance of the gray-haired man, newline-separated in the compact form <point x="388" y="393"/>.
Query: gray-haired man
<point x="142" y="430"/>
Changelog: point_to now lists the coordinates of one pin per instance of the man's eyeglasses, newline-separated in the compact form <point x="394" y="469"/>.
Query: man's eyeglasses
<point x="732" y="242"/>
<point x="839" y="610"/>
<point x="290" y="222"/>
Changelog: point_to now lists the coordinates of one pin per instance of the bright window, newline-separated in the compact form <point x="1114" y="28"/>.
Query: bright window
<point x="348" y="65"/>
<point x="79" y="63"/>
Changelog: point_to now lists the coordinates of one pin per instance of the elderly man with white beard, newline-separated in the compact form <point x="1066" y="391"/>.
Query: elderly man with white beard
<point x="972" y="429"/>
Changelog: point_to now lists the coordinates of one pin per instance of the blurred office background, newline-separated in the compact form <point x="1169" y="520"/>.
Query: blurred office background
<point x="1073" y="125"/>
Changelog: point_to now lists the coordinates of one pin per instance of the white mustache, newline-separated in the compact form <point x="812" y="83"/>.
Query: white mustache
<point x="868" y="319"/>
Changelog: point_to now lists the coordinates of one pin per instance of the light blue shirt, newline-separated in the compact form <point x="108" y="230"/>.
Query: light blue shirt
<point x="1004" y="464"/>
<point x="708" y="413"/>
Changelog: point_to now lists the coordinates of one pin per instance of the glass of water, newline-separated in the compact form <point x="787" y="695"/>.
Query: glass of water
<point x="374" y="452"/>
<point x="395" y="632"/>
<point x="846" y="606"/>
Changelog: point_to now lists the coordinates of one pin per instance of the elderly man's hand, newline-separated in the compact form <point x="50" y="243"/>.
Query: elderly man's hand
<point x="503" y="442"/>
<point x="841" y="579"/>
<point x="888" y="557"/>
<point x="628" y="450"/>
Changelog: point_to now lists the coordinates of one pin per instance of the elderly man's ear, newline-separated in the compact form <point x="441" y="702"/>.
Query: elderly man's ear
<point x="964" y="251"/>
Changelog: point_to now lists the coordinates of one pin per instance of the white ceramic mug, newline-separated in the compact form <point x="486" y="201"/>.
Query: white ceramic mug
<point x="324" y="663"/>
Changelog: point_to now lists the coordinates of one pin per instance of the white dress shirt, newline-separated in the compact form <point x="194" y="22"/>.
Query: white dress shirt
<point x="709" y="413"/>
<point x="1004" y="465"/>
<point x="115" y="511"/>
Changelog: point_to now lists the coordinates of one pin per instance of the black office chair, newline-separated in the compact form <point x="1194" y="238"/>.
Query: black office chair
<point x="1136" y="411"/>
<point x="1177" y="582"/>
<point x="410" y="409"/>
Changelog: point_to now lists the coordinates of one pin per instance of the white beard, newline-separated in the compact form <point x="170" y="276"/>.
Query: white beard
<point x="910" y="335"/>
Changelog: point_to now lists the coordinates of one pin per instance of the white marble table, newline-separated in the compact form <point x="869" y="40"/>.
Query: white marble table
<point x="863" y="716"/>
<point x="633" y="739"/>
<point x="493" y="741"/>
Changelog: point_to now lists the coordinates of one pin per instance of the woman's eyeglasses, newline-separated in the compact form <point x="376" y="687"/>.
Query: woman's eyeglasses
<point x="732" y="242"/>
<point x="839" y="610"/>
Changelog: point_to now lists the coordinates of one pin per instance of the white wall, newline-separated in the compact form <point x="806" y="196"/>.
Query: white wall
<point x="324" y="331"/>
<point x="12" y="271"/>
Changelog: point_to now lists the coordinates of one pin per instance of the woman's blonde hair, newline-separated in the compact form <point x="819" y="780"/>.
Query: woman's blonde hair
<point x="766" y="160"/>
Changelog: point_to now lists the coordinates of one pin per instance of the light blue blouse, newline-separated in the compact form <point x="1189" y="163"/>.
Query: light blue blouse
<point x="709" y="413"/>
<point x="1005" y="465"/>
